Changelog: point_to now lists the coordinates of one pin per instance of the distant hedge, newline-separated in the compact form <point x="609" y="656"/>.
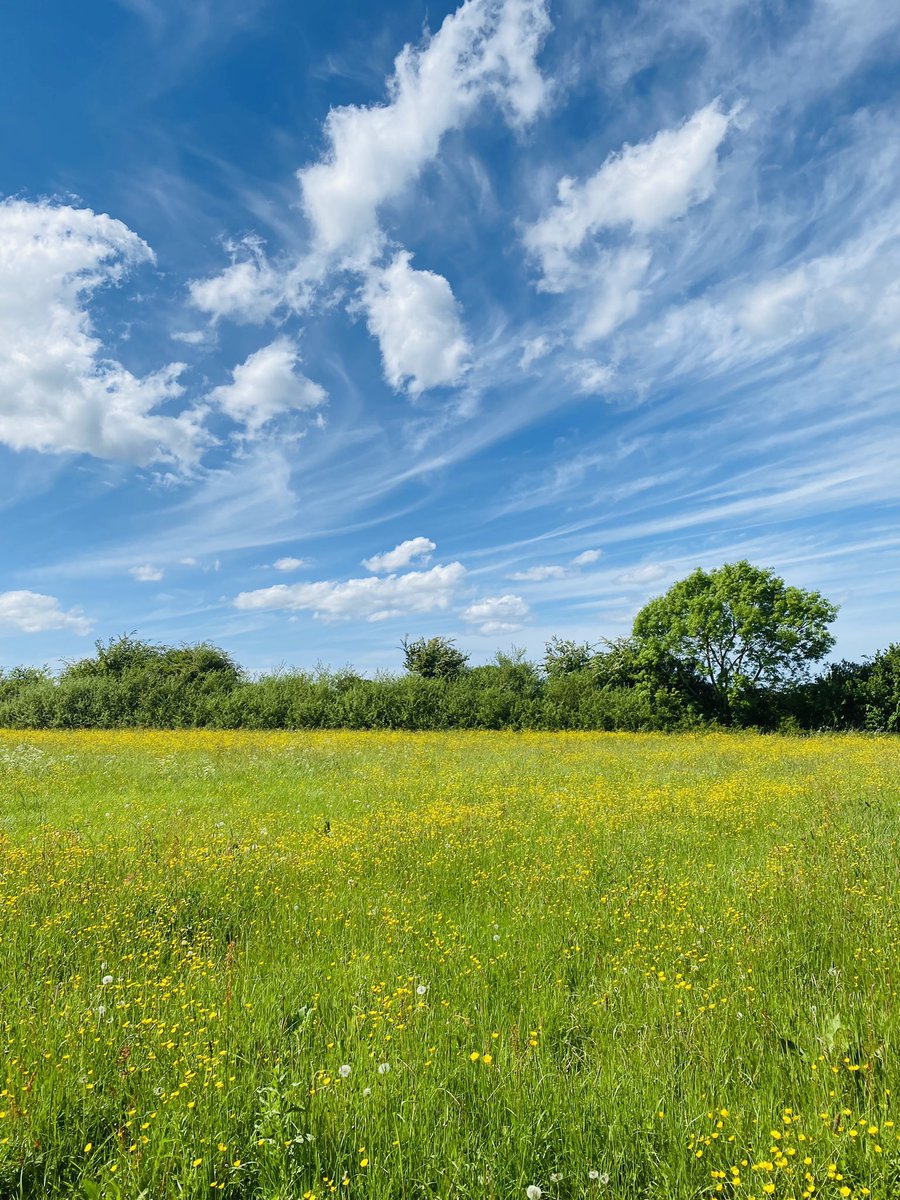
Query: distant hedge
<point x="129" y="683"/>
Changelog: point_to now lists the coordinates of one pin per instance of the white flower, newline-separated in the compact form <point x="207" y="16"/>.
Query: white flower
<point x="101" y="1010"/>
<point x="383" y="1068"/>
<point x="421" y="989"/>
<point x="556" y="1177"/>
<point x="344" y="1071"/>
<point x="367" y="1091"/>
<point x="533" y="1192"/>
<point x="604" y="1179"/>
<point x="105" y="980"/>
<point x="593" y="1175"/>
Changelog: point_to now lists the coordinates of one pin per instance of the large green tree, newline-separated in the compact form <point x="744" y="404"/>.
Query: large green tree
<point x="739" y="627"/>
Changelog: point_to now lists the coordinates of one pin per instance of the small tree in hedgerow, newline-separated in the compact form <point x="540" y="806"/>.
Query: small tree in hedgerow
<point x="739" y="627"/>
<point x="433" y="658"/>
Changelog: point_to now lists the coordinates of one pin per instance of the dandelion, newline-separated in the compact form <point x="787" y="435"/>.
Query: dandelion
<point x="344" y="1071"/>
<point x="367" y="1091"/>
<point x="421" y="989"/>
<point x="383" y="1068"/>
<point x="533" y="1192"/>
<point x="593" y="1176"/>
<point x="556" y="1177"/>
<point x="106" y="980"/>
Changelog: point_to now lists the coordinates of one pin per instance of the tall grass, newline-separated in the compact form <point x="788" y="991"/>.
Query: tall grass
<point x="406" y="965"/>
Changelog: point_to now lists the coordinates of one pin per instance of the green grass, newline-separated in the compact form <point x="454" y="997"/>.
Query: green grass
<point x="669" y="961"/>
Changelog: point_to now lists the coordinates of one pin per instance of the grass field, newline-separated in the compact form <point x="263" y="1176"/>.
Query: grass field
<point x="375" y="965"/>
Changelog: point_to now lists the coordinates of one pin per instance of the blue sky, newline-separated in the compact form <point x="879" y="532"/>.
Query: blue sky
<point x="324" y="324"/>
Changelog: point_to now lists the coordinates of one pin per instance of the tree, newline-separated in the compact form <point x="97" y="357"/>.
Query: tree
<point x="562" y="656"/>
<point x="434" y="658"/>
<point x="739" y="628"/>
<point x="883" y="691"/>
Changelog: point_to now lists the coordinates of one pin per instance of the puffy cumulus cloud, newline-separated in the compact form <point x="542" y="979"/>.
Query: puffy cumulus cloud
<point x="147" y="573"/>
<point x="497" y="614"/>
<point x="32" y="612"/>
<point x="640" y="188"/>
<point x="372" y="599"/>
<point x="266" y="385"/>
<point x="289" y="564"/>
<point x="416" y="550"/>
<point x="252" y="288"/>
<point x="415" y="318"/>
<point x="485" y="48"/>
<point x="59" y="390"/>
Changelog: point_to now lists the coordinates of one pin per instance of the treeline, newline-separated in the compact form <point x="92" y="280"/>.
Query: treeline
<point x="618" y="686"/>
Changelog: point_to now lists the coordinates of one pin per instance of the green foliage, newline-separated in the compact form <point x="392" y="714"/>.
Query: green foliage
<point x="434" y="658"/>
<point x="883" y="691"/>
<point x="739" y="628"/>
<point x="564" y="657"/>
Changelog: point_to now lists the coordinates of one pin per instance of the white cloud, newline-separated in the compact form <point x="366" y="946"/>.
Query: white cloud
<point x="592" y="378"/>
<point x="497" y="614"/>
<point x="289" y="564"/>
<point x="371" y="599"/>
<point x="59" y="390"/>
<point x="415" y="317"/>
<point x="648" y="573"/>
<point x="147" y="573"/>
<point x="416" y="550"/>
<point x="640" y="188"/>
<point x="32" y="612"/>
<point x="191" y="337"/>
<point x="615" y="293"/>
<point x="250" y="289"/>
<point x="534" y="349"/>
<point x="266" y="385"/>
<point x="486" y="47"/>
<point x="539" y="573"/>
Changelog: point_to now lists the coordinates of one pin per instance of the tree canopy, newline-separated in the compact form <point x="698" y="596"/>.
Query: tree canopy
<point x="433" y="658"/>
<point x="740" y="627"/>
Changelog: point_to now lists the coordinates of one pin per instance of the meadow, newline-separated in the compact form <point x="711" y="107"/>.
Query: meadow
<point x="391" y="965"/>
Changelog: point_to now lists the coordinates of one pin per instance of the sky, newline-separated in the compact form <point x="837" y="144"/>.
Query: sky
<point x="327" y="324"/>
